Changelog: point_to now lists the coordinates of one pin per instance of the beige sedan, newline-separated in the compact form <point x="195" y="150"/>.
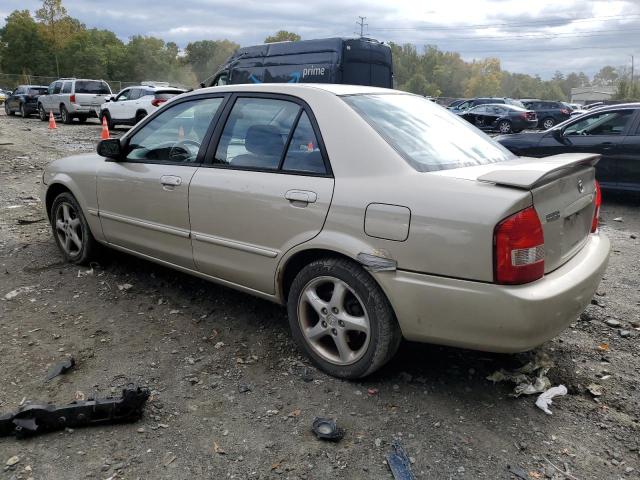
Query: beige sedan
<point x="372" y="214"/>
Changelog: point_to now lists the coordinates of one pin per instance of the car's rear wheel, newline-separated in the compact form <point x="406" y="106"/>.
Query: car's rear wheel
<point x="71" y="230"/>
<point x="41" y="113"/>
<point x="504" y="126"/>
<point x="548" y="122"/>
<point x="64" y="115"/>
<point x="341" y="319"/>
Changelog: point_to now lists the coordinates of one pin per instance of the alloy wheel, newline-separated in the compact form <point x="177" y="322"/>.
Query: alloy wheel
<point x="333" y="320"/>
<point x="68" y="229"/>
<point x="547" y="124"/>
<point x="504" y="127"/>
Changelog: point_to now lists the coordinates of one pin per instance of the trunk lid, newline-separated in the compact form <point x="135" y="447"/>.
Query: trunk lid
<point x="563" y="193"/>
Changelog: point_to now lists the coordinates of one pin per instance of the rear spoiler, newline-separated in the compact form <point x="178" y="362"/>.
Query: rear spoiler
<point x="533" y="172"/>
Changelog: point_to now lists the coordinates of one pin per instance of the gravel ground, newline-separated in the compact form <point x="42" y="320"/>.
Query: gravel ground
<point x="233" y="398"/>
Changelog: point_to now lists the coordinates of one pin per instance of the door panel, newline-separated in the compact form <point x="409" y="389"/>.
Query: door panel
<point x="138" y="212"/>
<point x="628" y="171"/>
<point x="242" y="221"/>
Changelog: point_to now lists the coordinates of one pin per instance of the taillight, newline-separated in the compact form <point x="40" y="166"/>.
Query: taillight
<point x="564" y="111"/>
<point x="72" y="98"/>
<point x="597" y="201"/>
<point x="519" y="248"/>
<point x="157" y="101"/>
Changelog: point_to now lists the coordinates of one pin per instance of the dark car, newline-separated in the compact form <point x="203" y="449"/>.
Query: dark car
<point x="354" y="61"/>
<point x="501" y="118"/>
<point x="455" y="103"/>
<point x="24" y="100"/>
<point x="612" y="131"/>
<point x="549" y="113"/>
<point x="474" y="102"/>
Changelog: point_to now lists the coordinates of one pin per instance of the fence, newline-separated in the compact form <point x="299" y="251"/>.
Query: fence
<point x="9" y="81"/>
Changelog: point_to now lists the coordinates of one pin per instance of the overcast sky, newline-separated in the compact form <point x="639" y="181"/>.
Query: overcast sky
<point x="529" y="36"/>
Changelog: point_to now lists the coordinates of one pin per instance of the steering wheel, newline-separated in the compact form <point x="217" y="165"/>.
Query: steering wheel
<point x="181" y="152"/>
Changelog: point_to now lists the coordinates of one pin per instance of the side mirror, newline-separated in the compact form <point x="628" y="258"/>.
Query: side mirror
<point x="110" y="148"/>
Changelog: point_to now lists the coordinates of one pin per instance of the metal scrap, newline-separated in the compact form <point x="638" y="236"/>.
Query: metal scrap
<point x="36" y="419"/>
<point x="60" y="368"/>
<point x="399" y="462"/>
<point x="327" y="429"/>
<point x="531" y="378"/>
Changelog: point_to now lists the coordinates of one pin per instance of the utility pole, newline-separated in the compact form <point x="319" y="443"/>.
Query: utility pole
<point x="362" y="25"/>
<point x="632" y="92"/>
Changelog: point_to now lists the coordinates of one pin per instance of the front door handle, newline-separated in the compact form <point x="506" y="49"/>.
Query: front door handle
<point x="170" y="180"/>
<point x="607" y="145"/>
<point x="304" y="196"/>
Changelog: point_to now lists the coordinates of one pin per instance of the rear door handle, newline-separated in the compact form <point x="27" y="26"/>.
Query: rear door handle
<point x="170" y="180"/>
<point x="301" y="196"/>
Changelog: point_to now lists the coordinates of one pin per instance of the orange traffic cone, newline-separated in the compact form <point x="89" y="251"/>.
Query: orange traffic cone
<point x="52" y="121"/>
<point x="104" y="135"/>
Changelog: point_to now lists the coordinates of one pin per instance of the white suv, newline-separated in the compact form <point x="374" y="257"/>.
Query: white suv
<point x="132" y="104"/>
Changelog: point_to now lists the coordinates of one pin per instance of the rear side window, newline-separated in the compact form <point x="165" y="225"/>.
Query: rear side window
<point x="95" y="87"/>
<point x="256" y="132"/>
<point x="426" y="135"/>
<point x="303" y="154"/>
<point x="66" y="87"/>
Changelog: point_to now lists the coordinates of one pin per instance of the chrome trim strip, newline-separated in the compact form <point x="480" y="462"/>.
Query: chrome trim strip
<point x="151" y="226"/>
<point x="92" y="211"/>
<point x="245" y="247"/>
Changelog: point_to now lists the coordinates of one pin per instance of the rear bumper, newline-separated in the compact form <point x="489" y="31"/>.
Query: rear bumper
<point x="85" y="110"/>
<point x="497" y="318"/>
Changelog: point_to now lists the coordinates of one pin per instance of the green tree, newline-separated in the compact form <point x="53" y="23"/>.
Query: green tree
<point x="205" y="56"/>
<point x="486" y="78"/>
<point x="419" y="84"/>
<point x="22" y="46"/>
<point x="607" y="76"/>
<point x="57" y="26"/>
<point x="282" y="36"/>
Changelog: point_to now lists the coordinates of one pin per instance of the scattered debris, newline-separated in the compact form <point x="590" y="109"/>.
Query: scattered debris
<point x="518" y="472"/>
<point x="617" y="219"/>
<point x="372" y="391"/>
<point x="612" y="322"/>
<point x="125" y="287"/>
<point x="327" y="429"/>
<point x="217" y="449"/>
<point x="35" y="419"/>
<point x="19" y="291"/>
<point x="595" y="389"/>
<point x="399" y="462"/>
<point x="603" y="347"/>
<point x="169" y="458"/>
<point x="544" y="400"/>
<point x="60" y="368"/>
<point x="29" y="221"/>
<point x="244" y="388"/>
<point x="624" y="333"/>
<point x="84" y="273"/>
<point x="12" y="461"/>
<point x="559" y="470"/>
<point x="529" y="379"/>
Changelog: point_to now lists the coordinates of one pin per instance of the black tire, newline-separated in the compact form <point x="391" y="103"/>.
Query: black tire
<point x="107" y="115"/>
<point x="82" y="119"/>
<point x="23" y="112"/>
<point x="89" y="247"/>
<point x="384" y="332"/>
<point x="7" y="110"/>
<point x="504" y="126"/>
<point x="65" y="116"/>
<point x="42" y="114"/>
<point x="547" y="123"/>
<point x="140" y="116"/>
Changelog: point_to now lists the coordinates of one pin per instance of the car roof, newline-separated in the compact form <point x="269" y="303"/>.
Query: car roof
<point x="336" y="89"/>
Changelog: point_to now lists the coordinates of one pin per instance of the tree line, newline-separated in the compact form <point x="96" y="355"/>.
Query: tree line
<point x="52" y="43"/>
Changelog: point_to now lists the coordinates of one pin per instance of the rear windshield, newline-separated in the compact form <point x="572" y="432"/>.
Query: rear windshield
<point x="37" y="91"/>
<point x="92" y="86"/>
<point x="428" y="136"/>
<point x="167" y="94"/>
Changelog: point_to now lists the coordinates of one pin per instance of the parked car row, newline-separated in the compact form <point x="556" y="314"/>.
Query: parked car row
<point x="71" y="98"/>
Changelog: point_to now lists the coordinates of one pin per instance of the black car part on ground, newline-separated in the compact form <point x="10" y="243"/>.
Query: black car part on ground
<point x="327" y="429"/>
<point x="60" y="368"/>
<point x="35" y="419"/>
<point x="399" y="463"/>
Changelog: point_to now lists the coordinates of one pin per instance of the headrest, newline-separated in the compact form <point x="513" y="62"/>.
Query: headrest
<point x="264" y="140"/>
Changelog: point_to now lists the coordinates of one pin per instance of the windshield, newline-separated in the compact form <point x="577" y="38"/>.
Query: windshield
<point x="428" y="136"/>
<point x="92" y="86"/>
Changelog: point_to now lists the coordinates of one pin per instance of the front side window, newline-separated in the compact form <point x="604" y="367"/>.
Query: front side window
<point x="303" y="154"/>
<point x="124" y="95"/>
<point x="426" y="135"/>
<point x="256" y="133"/>
<point x="604" y="123"/>
<point x="176" y="134"/>
<point x="56" y="87"/>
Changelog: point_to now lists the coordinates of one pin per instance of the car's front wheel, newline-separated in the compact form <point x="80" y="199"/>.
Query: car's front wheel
<point x="504" y="126"/>
<point x="7" y="110"/>
<point x="23" y="112"/>
<point x="71" y="230"/>
<point x="340" y="317"/>
<point x="105" y="115"/>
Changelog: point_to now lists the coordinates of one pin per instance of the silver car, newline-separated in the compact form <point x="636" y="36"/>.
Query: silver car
<point x="372" y="214"/>
<point x="73" y="98"/>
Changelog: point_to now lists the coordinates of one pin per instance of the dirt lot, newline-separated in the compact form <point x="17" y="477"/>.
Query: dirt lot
<point x="233" y="398"/>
